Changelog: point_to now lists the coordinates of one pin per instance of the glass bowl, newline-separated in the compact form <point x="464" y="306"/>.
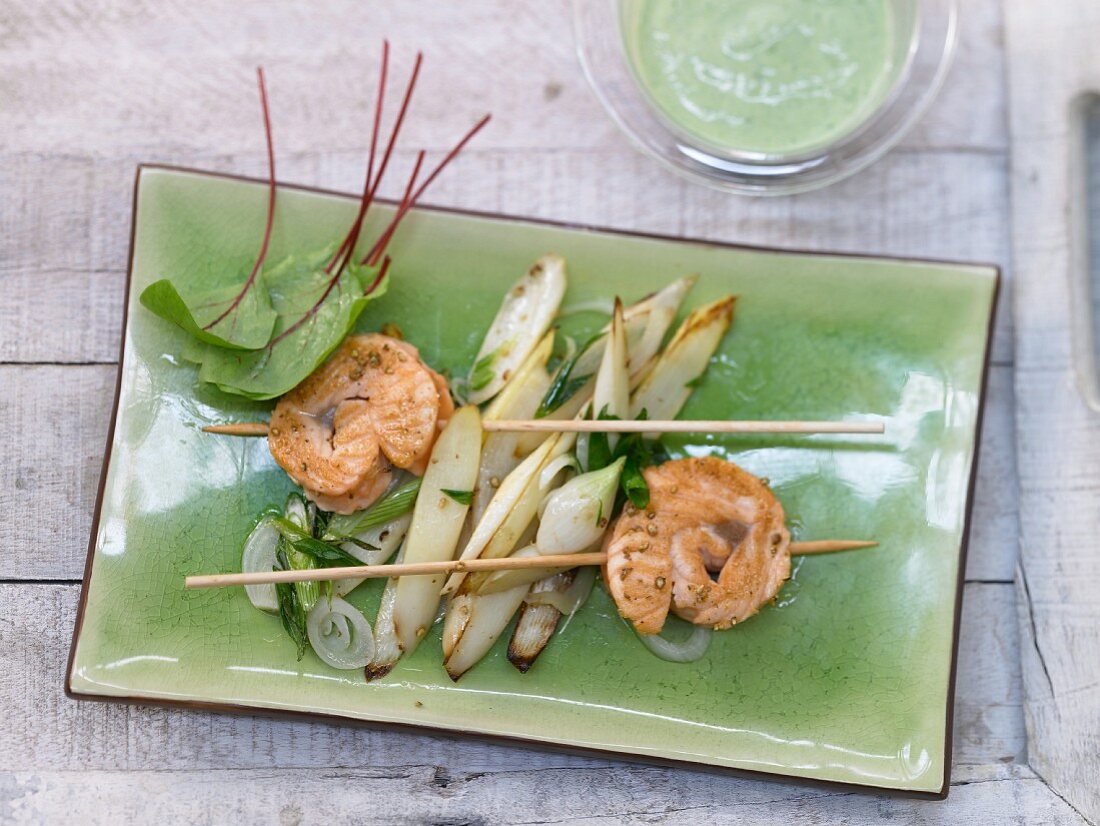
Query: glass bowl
<point x="926" y="51"/>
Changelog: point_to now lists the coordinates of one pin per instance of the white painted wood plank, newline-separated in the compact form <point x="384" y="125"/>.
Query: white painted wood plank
<point x="65" y="222"/>
<point x="122" y="76"/>
<point x="90" y="91"/>
<point x="988" y="694"/>
<point x="423" y="795"/>
<point x="994" y="523"/>
<point x="58" y="415"/>
<point x="1053" y="58"/>
<point x="970" y="109"/>
<point x="45" y="730"/>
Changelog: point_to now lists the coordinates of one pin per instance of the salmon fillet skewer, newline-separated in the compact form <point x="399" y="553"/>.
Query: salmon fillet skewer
<point x="373" y="407"/>
<point x="705" y="516"/>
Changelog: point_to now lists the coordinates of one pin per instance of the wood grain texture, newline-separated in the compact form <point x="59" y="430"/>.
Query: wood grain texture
<point x="88" y="90"/>
<point x="45" y="729"/>
<point x="126" y="88"/>
<point x="1053" y="60"/>
<point x="936" y="204"/>
<point x="156" y="76"/>
<point x="423" y="794"/>
<point x="59" y="415"/>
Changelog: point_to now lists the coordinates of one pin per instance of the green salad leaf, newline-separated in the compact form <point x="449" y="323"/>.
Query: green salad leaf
<point x="314" y="312"/>
<point x="228" y="316"/>
<point x="263" y="334"/>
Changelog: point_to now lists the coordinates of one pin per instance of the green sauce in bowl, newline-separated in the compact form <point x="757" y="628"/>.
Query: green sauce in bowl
<point x="771" y="77"/>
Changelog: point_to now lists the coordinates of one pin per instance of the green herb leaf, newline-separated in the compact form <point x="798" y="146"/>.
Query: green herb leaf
<point x="235" y="321"/>
<point x="557" y="351"/>
<point x="324" y="551"/>
<point x="599" y="445"/>
<point x="314" y="314"/>
<point x="482" y="373"/>
<point x="634" y="448"/>
<point x="290" y="531"/>
<point x="565" y="385"/>
<point x="695" y="382"/>
<point x="358" y="543"/>
<point x="599" y="451"/>
<point x="291" y="614"/>
<point x="634" y="484"/>
<point x="397" y="502"/>
<point x="463" y="497"/>
<point x="327" y="554"/>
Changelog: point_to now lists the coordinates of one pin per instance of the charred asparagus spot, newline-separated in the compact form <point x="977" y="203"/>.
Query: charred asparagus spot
<point x="537" y="623"/>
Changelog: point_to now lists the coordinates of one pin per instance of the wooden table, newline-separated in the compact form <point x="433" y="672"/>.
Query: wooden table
<point x="87" y="91"/>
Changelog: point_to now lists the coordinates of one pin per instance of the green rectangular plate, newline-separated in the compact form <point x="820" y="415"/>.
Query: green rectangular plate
<point x="848" y="679"/>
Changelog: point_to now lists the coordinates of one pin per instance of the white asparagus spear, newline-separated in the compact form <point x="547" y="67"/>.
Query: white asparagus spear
<point x="523" y="318"/>
<point x="436" y="523"/>
<point x="483" y="619"/>
<point x="667" y="386"/>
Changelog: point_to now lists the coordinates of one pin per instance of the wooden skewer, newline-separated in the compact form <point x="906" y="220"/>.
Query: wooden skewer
<point x="679" y="426"/>
<point x="239" y="429"/>
<point x="449" y="567"/>
<point x="612" y="426"/>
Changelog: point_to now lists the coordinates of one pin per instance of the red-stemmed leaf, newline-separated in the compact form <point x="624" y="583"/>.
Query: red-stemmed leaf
<point x="238" y="314"/>
<point x="315" y="313"/>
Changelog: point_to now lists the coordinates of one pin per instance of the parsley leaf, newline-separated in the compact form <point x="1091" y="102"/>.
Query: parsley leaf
<point x="565" y="385"/>
<point x="463" y="497"/>
<point x="482" y="374"/>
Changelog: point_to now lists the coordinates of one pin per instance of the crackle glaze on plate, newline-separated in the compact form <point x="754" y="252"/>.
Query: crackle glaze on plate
<point x="847" y="679"/>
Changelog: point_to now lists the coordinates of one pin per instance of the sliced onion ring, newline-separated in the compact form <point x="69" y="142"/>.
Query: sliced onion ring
<point x="340" y="634"/>
<point x="259" y="555"/>
<point x="572" y="598"/>
<point x="688" y="651"/>
<point x="554" y="467"/>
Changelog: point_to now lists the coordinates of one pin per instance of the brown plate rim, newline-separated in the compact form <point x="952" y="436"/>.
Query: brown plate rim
<point x="518" y="740"/>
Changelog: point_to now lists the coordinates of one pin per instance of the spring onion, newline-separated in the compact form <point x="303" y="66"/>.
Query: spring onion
<point x="664" y="390"/>
<point x="648" y="321"/>
<point x="502" y="452"/>
<point x="397" y="502"/>
<point x="340" y="634"/>
<point x="498" y="581"/>
<point x="486" y="618"/>
<point x="298" y="559"/>
<point x="387" y="649"/>
<point x="577" y="513"/>
<point x="259" y="555"/>
<point x="385" y="538"/>
<point x="512" y="510"/>
<point x="611" y="396"/>
<point x="569" y="600"/>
